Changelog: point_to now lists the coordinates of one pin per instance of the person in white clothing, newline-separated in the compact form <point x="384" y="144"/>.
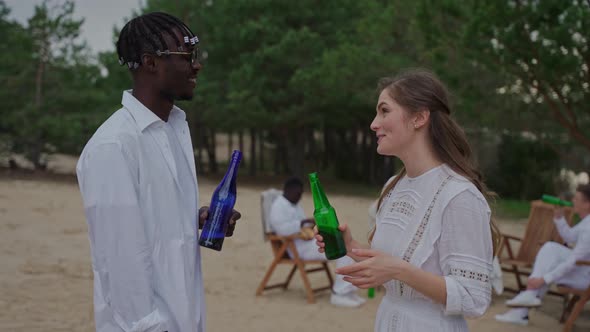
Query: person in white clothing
<point x="139" y="186"/>
<point x="287" y="217"/>
<point x="432" y="245"/>
<point x="556" y="263"/>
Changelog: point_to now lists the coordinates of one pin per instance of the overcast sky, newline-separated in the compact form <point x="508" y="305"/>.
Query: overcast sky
<point x="100" y="16"/>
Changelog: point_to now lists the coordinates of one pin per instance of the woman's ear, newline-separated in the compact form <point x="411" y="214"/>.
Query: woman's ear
<point x="421" y="118"/>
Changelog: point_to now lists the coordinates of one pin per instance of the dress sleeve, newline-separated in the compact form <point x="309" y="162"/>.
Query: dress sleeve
<point x="120" y="249"/>
<point x="465" y="251"/>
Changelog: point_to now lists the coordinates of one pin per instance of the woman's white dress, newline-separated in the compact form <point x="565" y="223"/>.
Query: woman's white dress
<point x="440" y="222"/>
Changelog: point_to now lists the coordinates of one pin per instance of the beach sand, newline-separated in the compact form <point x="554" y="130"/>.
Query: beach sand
<point x="46" y="276"/>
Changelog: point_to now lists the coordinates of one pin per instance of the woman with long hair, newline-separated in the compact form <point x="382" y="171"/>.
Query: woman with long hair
<point x="432" y="245"/>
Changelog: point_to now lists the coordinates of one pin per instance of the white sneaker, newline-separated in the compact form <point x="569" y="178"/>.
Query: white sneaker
<point x="513" y="317"/>
<point x="524" y="299"/>
<point x="344" y="300"/>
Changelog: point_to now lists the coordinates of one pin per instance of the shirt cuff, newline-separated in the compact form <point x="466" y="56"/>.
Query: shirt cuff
<point x="453" y="305"/>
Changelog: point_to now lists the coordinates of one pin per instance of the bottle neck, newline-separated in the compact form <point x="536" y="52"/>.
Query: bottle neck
<point x="229" y="179"/>
<point x="319" y="197"/>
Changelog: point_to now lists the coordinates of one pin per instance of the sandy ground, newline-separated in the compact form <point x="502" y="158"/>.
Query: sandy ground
<point x="46" y="278"/>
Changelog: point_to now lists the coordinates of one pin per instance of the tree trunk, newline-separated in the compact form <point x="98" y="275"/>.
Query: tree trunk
<point x="198" y="143"/>
<point x="277" y="155"/>
<point x="230" y="143"/>
<point x="252" y="152"/>
<point x="344" y="154"/>
<point x="241" y="148"/>
<point x="210" y="147"/>
<point x="373" y="160"/>
<point x="39" y="84"/>
<point x="241" y="140"/>
<point x="281" y="158"/>
<point x="313" y="154"/>
<point x="199" y="156"/>
<point x="328" y="151"/>
<point x="261" y="150"/>
<point x="388" y="168"/>
<point x="295" y="151"/>
<point x="36" y="143"/>
<point x="365" y="154"/>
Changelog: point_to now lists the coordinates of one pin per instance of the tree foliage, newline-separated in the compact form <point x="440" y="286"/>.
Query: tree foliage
<point x="298" y="78"/>
<point x="49" y="83"/>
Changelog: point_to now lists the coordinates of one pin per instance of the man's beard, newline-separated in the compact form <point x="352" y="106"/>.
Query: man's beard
<point x="185" y="97"/>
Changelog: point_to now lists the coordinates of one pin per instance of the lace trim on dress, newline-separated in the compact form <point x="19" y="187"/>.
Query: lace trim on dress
<point x="421" y="228"/>
<point x="483" y="277"/>
<point x="405" y="208"/>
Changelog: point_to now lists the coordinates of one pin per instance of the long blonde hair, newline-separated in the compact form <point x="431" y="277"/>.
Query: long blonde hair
<point x="416" y="90"/>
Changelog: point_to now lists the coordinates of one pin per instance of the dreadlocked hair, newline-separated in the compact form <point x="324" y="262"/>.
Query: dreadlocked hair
<point x="145" y="34"/>
<point x="416" y="90"/>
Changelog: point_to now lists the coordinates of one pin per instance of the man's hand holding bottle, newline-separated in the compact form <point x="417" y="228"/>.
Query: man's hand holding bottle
<point x="236" y="215"/>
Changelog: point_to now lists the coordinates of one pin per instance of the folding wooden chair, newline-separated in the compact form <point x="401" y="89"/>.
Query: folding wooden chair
<point x="574" y="302"/>
<point x="281" y="246"/>
<point x="539" y="229"/>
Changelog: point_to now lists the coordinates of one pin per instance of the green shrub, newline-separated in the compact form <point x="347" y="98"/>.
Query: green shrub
<point x="524" y="168"/>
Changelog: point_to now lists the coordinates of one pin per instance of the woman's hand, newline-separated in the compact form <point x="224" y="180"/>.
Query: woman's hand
<point x="348" y="241"/>
<point x="376" y="269"/>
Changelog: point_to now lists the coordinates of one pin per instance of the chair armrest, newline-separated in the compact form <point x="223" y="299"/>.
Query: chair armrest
<point x="511" y="237"/>
<point x="506" y="247"/>
<point x="284" y="237"/>
<point x="583" y="263"/>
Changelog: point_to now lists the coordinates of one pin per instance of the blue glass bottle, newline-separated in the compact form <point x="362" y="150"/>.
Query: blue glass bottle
<point x="220" y="209"/>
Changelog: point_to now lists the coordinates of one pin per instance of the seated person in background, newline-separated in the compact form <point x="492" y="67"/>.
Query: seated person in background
<point x="556" y="263"/>
<point x="287" y="217"/>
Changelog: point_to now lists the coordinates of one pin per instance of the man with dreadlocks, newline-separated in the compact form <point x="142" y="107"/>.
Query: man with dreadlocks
<point x="138" y="182"/>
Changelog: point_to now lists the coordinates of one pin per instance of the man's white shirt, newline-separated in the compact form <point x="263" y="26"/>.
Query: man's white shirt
<point x="285" y="217"/>
<point x="140" y="198"/>
<point x="580" y="235"/>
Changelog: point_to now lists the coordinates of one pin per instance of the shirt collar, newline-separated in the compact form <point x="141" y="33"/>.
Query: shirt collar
<point x="177" y="114"/>
<point x="288" y="201"/>
<point x="143" y="116"/>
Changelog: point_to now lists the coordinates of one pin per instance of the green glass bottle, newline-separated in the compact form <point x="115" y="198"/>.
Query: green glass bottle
<point x="555" y="200"/>
<point x="326" y="220"/>
<point x="371" y="293"/>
